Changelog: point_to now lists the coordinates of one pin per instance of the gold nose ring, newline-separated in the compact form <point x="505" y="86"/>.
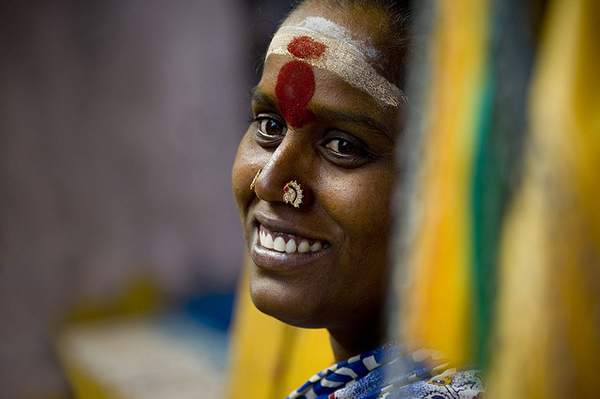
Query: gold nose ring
<point x="292" y="194"/>
<point x="255" y="179"/>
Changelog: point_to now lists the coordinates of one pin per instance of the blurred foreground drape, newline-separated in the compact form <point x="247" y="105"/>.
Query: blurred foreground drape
<point x="549" y="304"/>
<point x="499" y="251"/>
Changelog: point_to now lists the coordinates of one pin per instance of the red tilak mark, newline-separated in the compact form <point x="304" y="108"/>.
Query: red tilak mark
<point x="295" y="87"/>
<point x="306" y="47"/>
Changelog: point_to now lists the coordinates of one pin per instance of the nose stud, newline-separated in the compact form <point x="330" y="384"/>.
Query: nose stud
<point x="292" y="194"/>
<point x="255" y="179"/>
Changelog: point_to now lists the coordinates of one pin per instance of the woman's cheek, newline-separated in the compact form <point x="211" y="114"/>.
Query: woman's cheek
<point x="242" y="174"/>
<point x="357" y="203"/>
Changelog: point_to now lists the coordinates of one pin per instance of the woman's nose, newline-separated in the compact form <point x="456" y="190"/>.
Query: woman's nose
<point x="288" y="171"/>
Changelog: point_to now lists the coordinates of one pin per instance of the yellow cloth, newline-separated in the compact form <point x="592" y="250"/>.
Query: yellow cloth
<point x="548" y="328"/>
<point x="436" y="303"/>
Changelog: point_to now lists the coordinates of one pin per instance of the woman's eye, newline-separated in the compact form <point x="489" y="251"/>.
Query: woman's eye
<point x="347" y="152"/>
<point x="270" y="127"/>
<point x="342" y="147"/>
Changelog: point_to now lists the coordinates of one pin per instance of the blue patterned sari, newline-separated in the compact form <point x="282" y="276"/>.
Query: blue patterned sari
<point x="390" y="372"/>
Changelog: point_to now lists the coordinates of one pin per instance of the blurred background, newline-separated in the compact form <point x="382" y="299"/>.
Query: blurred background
<point x="119" y="123"/>
<point x="120" y="245"/>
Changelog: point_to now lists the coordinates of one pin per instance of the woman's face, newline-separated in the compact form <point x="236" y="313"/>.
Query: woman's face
<point x="314" y="125"/>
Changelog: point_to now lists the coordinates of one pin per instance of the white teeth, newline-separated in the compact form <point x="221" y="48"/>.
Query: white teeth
<point x="261" y="238"/>
<point x="304" y="247"/>
<point x="268" y="241"/>
<point x="290" y="247"/>
<point x="279" y="244"/>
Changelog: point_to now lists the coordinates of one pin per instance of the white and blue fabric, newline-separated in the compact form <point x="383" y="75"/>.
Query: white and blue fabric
<point x="390" y="372"/>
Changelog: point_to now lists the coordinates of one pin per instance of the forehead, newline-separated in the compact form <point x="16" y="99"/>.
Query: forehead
<point x="324" y="44"/>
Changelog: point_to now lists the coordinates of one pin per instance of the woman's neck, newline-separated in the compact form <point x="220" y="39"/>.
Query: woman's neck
<point x="346" y="343"/>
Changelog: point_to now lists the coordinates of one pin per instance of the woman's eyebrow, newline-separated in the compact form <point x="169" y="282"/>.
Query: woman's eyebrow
<point x="353" y="117"/>
<point x="259" y="97"/>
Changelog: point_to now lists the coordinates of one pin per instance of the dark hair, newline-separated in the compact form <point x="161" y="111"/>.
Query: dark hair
<point x="392" y="37"/>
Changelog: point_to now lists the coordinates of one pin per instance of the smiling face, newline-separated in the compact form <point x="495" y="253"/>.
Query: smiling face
<point x="324" y="263"/>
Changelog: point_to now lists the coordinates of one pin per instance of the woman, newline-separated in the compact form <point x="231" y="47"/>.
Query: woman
<point x="313" y="180"/>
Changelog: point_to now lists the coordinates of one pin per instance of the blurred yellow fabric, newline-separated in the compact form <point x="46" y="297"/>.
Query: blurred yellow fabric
<point x="548" y="329"/>
<point x="436" y="304"/>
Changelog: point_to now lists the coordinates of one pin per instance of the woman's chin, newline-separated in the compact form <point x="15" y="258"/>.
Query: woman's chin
<point x="285" y="305"/>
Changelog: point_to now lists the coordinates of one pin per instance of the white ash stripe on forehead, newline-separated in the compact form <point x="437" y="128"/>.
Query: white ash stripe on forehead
<point x="344" y="57"/>
<point x="328" y="28"/>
